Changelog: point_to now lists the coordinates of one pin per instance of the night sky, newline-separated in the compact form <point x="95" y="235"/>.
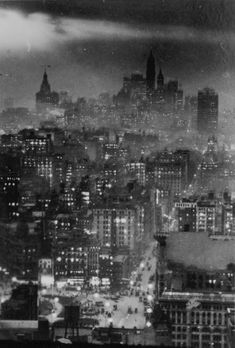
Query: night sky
<point x="92" y="44"/>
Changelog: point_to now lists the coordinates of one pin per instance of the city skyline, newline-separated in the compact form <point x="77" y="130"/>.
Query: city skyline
<point x="117" y="172"/>
<point x="89" y="53"/>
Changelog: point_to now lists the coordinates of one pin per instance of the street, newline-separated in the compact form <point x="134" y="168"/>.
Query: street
<point x="127" y="310"/>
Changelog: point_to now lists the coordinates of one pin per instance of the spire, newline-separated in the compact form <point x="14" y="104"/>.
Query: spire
<point x="45" y="86"/>
<point x="160" y="79"/>
<point x="150" y="73"/>
<point x="45" y="75"/>
<point x="151" y="56"/>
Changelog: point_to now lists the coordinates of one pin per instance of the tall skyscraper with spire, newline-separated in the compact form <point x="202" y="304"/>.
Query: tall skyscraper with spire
<point x="160" y="80"/>
<point x="150" y="74"/>
<point x="46" y="98"/>
<point x="45" y="86"/>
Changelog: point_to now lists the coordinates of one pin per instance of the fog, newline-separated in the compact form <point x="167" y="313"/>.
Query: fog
<point x="89" y="56"/>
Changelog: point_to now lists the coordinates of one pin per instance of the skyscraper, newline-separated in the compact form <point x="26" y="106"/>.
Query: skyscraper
<point x="45" y="97"/>
<point x="150" y="74"/>
<point x="160" y="80"/>
<point x="207" y="113"/>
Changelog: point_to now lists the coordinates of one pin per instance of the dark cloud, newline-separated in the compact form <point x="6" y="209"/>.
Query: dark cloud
<point x="208" y="14"/>
<point x="43" y="32"/>
<point x="91" y="44"/>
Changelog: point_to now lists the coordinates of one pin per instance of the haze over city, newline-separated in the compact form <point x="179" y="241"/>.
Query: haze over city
<point x="117" y="172"/>
<point x="90" y="45"/>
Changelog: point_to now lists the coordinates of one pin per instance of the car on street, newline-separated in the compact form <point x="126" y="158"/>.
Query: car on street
<point x="99" y="303"/>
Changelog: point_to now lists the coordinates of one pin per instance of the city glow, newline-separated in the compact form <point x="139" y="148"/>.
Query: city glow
<point x="116" y="190"/>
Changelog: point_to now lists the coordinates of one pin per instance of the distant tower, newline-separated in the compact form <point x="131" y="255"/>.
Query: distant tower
<point x="45" y="86"/>
<point x="150" y="73"/>
<point x="207" y="112"/>
<point x="45" y="97"/>
<point x="160" y="79"/>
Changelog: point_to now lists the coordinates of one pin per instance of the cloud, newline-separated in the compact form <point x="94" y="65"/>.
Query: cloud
<point x="20" y="32"/>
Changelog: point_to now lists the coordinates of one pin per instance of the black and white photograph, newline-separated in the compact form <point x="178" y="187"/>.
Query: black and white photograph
<point x="117" y="173"/>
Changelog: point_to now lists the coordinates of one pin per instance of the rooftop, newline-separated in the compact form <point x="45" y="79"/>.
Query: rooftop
<point x="201" y="296"/>
<point x="120" y="258"/>
<point x="197" y="249"/>
<point x="18" y="324"/>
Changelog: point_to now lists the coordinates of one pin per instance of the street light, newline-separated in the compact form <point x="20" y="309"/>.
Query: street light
<point x="110" y="320"/>
<point x="148" y="324"/>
